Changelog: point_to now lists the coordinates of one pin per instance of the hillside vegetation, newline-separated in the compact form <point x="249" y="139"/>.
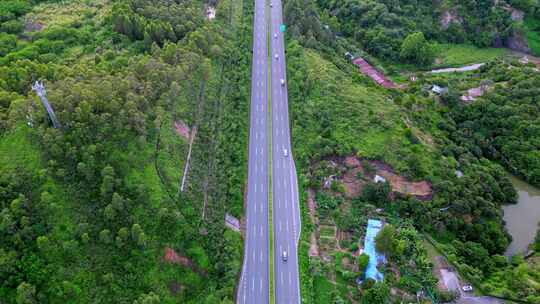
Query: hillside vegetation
<point x="460" y="149"/>
<point x="89" y="210"/>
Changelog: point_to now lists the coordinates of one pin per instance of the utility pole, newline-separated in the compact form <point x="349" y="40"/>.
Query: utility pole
<point x="39" y="88"/>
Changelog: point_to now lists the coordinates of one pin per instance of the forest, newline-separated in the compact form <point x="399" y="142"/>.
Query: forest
<point x="88" y="210"/>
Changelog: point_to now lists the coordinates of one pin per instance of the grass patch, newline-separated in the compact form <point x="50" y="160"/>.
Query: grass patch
<point x="16" y="151"/>
<point x="68" y="13"/>
<point x="351" y="115"/>
<point x="323" y="290"/>
<point x="456" y="55"/>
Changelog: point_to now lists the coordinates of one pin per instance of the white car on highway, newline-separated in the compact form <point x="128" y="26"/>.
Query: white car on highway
<point x="284" y="256"/>
<point x="276" y="56"/>
<point x="275" y="35"/>
<point x="285" y="152"/>
<point x="282" y="82"/>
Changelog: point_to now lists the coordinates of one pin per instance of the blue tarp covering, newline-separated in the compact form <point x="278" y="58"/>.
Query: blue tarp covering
<point x="369" y="248"/>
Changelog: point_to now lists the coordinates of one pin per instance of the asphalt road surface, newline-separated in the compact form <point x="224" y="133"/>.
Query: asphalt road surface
<point x="254" y="285"/>
<point x="285" y="206"/>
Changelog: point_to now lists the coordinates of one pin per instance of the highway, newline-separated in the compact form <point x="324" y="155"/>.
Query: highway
<point x="285" y="202"/>
<point x="254" y="284"/>
<point x="254" y="280"/>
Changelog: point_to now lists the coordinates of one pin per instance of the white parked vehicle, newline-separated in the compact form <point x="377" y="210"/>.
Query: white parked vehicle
<point x="284" y="256"/>
<point x="282" y="82"/>
<point x="270" y="3"/>
<point x="467" y="288"/>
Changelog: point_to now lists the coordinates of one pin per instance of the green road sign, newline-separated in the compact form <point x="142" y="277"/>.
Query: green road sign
<point x="282" y="28"/>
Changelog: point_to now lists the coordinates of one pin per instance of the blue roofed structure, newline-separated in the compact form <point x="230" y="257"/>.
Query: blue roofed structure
<point x="374" y="226"/>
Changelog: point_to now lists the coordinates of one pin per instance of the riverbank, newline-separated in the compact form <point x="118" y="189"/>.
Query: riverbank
<point x="522" y="218"/>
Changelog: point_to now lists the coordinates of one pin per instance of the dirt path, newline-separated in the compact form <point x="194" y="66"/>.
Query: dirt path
<point x="313" y="247"/>
<point x="524" y="57"/>
<point x="193" y="134"/>
<point x="186" y="167"/>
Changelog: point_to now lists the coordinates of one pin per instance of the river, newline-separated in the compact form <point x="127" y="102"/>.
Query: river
<point x="522" y="218"/>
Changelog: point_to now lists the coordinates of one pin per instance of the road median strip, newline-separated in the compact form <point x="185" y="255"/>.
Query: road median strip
<point x="269" y="124"/>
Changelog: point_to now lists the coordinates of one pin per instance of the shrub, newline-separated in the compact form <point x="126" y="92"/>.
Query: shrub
<point x="362" y="262"/>
<point x="446" y="296"/>
<point x="416" y="49"/>
<point x="12" y="27"/>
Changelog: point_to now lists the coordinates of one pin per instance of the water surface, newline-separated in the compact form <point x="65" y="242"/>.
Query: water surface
<point x="522" y="219"/>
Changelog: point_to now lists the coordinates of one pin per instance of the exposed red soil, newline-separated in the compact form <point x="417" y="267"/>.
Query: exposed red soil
<point x="438" y="264"/>
<point x="353" y="186"/>
<point x="172" y="257"/>
<point x="182" y="129"/>
<point x="352" y="162"/>
<point x="313" y="248"/>
<point x="399" y="184"/>
<point x="378" y="77"/>
<point x="473" y="93"/>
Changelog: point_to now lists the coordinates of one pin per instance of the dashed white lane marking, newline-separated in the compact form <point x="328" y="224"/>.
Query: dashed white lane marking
<point x="290" y="278"/>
